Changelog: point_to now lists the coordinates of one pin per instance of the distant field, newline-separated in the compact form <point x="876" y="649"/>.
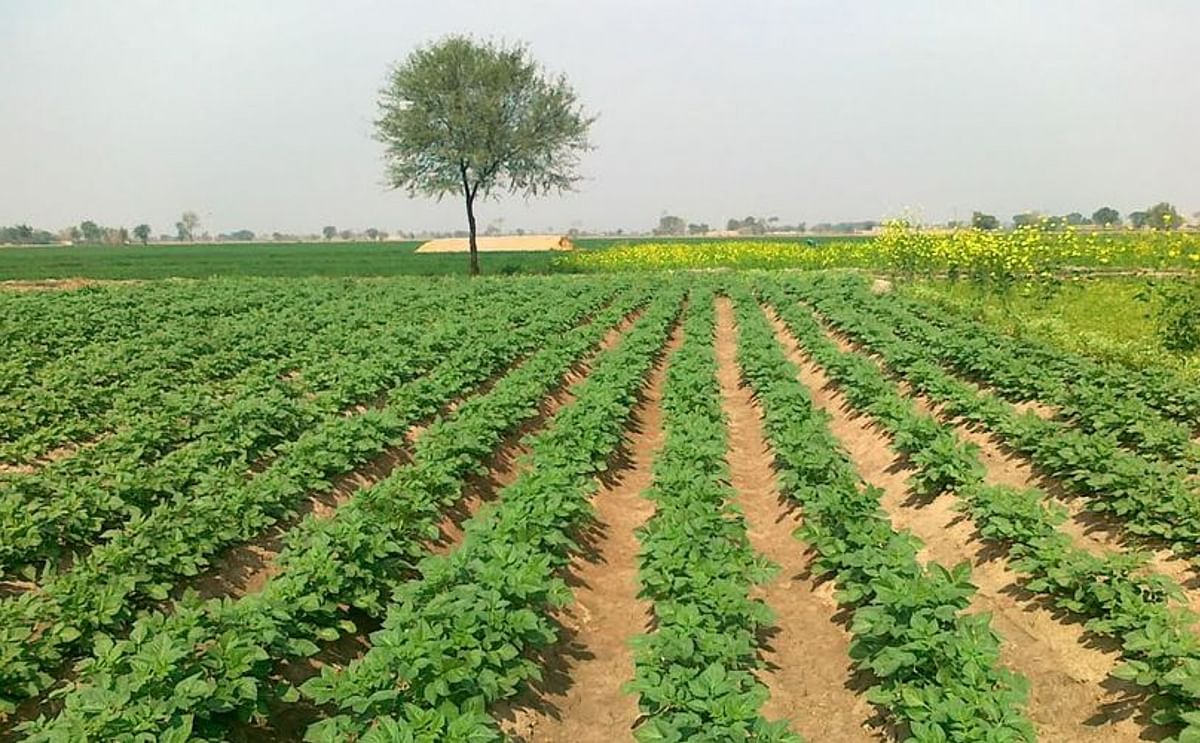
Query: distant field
<point x="273" y="259"/>
<point x="239" y="259"/>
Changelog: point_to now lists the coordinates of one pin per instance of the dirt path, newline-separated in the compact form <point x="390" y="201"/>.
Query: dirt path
<point x="580" y="699"/>
<point x="810" y="674"/>
<point x="1071" y="697"/>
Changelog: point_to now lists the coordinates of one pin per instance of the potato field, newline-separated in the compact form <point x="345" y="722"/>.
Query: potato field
<point x="689" y="506"/>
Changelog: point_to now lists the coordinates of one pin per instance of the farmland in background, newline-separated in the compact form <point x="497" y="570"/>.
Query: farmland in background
<point x="202" y="260"/>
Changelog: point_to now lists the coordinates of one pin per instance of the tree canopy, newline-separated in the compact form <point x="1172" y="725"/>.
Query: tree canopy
<point x="981" y="221"/>
<point x="1163" y="216"/>
<point x="477" y="118"/>
<point x="1106" y="216"/>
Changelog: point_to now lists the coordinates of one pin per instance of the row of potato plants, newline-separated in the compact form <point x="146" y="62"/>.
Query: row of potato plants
<point x="461" y="637"/>
<point x="223" y="654"/>
<point x="39" y="327"/>
<point x="61" y="508"/>
<point x="1114" y="592"/>
<point x="694" y="673"/>
<point x="932" y="666"/>
<point x="139" y="564"/>
<point x="179" y="374"/>
<point x="148" y="414"/>
<point x="1160" y="388"/>
<point x="80" y="396"/>
<point x="1100" y="398"/>
<point x="1150" y="498"/>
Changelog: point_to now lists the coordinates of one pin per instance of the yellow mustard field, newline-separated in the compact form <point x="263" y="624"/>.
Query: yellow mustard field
<point x="901" y="248"/>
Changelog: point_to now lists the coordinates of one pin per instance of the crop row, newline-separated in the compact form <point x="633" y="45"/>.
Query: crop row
<point x="79" y="396"/>
<point x="183" y="374"/>
<point x="36" y="328"/>
<point x="1152" y="498"/>
<point x="460" y="637"/>
<point x="139" y="564"/>
<point x="1152" y="419"/>
<point x="1114" y="592"/>
<point x="1160" y="389"/>
<point x="226" y="651"/>
<point x="695" y="671"/>
<point x="63" y="507"/>
<point x="932" y="666"/>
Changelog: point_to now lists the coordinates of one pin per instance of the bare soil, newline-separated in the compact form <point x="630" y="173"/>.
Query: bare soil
<point x="53" y="284"/>
<point x="809" y="672"/>
<point x="1071" y="696"/>
<point x="581" y="698"/>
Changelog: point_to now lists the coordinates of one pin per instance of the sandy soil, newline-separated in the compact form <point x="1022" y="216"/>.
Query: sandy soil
<point x="581" y="697"/>
<point x="810" y="674"/>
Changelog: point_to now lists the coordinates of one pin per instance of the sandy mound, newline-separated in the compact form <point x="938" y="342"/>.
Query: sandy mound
<point x="509" y="243"/>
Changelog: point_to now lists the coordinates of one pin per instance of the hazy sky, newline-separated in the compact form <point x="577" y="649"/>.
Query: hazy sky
<point x="258" y="114"/>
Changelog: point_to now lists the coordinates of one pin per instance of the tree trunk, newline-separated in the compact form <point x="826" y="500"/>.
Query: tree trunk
<point x="474" y="248"/>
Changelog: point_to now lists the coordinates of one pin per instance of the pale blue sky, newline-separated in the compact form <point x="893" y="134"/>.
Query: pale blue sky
<point x="258" y="114"/>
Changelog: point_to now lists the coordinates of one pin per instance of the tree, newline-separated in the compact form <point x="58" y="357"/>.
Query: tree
<point x="242" y="235"/>
<point x="747" y="226"/>
<point x="189" y="221"/>
<point x="116" y="236"/>
<point x="697" y="228"/>
<point x="1106" y="216"/>
<point x="142" y="232"/>
<point x="372" y="233"/>
<point x="981" y="221"/>
<point x="1026" y="219"/>
<point x="669" y="224"/>
<point x="1163" y="216"/>
<point x="1139" y="220"/>
<point x="1075" y="219"/>
<point x="345" y="234"/>
<point x="475" y="118"/>
<point x="328" y="231"/>
<point x="90" y="231"/>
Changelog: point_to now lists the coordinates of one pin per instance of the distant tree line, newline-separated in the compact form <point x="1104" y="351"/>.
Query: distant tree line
<point x="88" y="232"/>
<point x="1161" y="216"/>
<point x="672" y="225"/>
<point x="23" y="234"/>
